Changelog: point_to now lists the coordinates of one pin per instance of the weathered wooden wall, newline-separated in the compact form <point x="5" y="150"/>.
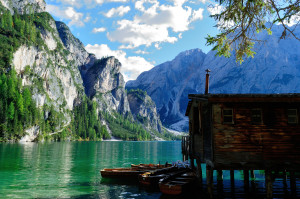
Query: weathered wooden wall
<point x="272" y="144"/>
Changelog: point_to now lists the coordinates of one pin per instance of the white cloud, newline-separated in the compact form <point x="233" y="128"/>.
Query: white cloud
<point x="154" y="24"/>
<point x="293" y="21"/>
<point x="87" y="18"/>
<point x="157" y="46"/>
<point x="96" y="30"/>
<point x="217" y="9"/>
<point x="120" y="11"/>
<point x="87" y="3"/>
<point x="141" y="52"/>
<point x="132" y="66"/>
<point x="69" y="13"/>
<point x="197" y="14"/>
<point x="136" y="34"/>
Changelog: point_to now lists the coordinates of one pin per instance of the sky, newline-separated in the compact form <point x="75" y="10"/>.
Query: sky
<point x="140" y="33"/>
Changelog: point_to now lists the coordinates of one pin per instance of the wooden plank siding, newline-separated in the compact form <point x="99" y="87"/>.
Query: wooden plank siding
<point x="273" y="143"/>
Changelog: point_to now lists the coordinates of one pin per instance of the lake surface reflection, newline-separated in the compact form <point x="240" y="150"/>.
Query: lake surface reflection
<point x="71" y="170"/>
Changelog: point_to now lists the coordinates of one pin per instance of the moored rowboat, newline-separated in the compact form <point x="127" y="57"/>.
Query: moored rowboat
<point x="121" y="173"/>
<point x="131" y="172"/>
<point x="178" y="183"/>
<point x="150" y="179"/>
<point x="150" y="166"/>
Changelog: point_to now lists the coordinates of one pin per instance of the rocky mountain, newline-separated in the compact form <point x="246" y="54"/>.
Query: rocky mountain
<point x="104" y="81"/>
<point x="168" y="84"/>
<point x="144" y="109"/>
<point x="60" y="74"/>
<point x="274" y="69"/>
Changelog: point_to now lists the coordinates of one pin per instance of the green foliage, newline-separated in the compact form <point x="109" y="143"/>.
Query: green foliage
<point x="18" y="110"/>
<point x="14" y="31"/>
<point x="240" y="21"/>
<point x="167" y="136"/>
<point x="125" y="128"/>
<point x="86" y="123"/>
<point x="141" y="94"/>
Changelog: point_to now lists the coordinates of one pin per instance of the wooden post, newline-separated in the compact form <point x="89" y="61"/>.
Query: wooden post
<point x="192" y="163"/>
<point x="209" y="180"/>
<point x="269" y="183"/>
<point x="246" y="180"/>
<point x="285" y="187"/>
<point x="232" y="183"/>
<point x="252" y="175"/>
<point x="232" y="178"/>
<point x="220" y="183"/>
<point x="220" y="175"/>
<point x="199" y="171"/>
<point x="293" y="183"/>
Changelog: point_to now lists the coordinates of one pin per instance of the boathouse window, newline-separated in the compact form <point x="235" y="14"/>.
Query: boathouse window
<point x="292" y="116"/>
<point x="228" y="116"/>
<point x="256" y="116"/>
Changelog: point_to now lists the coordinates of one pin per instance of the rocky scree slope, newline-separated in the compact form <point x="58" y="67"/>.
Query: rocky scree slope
<point x="274" y="69"/>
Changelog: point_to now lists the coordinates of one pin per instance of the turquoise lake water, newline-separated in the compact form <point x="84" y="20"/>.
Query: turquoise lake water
<point x="71" y="170"/>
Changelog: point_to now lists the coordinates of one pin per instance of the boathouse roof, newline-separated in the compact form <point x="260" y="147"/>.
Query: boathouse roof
<point x="235" y="98"/>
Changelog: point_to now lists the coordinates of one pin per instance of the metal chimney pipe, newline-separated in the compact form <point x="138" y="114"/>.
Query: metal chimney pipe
<point x="207" y="81"/>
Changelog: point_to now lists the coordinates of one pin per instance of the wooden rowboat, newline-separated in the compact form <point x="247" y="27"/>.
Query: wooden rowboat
<point x="150" y="166"/>
<point x="150" y="179"/>
<point x="177" y="183"/>
<point x="121" y="173"/>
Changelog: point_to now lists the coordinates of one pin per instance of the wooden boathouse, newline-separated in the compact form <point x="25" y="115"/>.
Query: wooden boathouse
<point x="244" y="132"/>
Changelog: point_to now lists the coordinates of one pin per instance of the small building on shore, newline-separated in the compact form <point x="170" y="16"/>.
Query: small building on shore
<point x="244" y="132"/>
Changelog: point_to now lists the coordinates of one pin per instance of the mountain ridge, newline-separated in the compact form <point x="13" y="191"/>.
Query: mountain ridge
<point x="274" y="69"/>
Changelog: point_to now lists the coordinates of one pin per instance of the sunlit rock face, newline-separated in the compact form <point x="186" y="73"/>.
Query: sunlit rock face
<point x="104" y="81"/>
<point x="274" y="69"/>
<point x="24" y="6"/>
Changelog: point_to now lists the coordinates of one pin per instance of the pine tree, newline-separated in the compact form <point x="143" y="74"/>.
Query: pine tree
<point x="20" y="104"/>
<point x="11" y="111"/>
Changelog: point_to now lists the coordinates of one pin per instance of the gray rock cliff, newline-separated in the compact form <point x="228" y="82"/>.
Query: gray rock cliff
<point x="104" y="81"/>
<point x="24" y="6"/>
<point x="144" y="109"/>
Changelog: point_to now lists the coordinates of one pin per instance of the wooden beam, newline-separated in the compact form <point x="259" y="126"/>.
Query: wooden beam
<point x="209" y="180"/>
<point x="252" y="175"/>
<point x="269" y="184"/>
<point x="199" y="171"/>
<point x="285" y="187"/>
<point x="232" y="185"/>
<point x="246" y="181"/>
<point x="293" y="184"/>
<point x="220" y="186"/>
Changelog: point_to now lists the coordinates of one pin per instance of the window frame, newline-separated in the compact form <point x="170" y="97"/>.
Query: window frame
<point x="261" y="116"/>
<point x="223" y="116"/>
<point x="295" y="116"/>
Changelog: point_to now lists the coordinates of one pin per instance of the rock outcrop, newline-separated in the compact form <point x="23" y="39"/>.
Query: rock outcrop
<point x="24" y="6"/>
<point x="144" y="109"/>
<point x="104" y="81"/>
